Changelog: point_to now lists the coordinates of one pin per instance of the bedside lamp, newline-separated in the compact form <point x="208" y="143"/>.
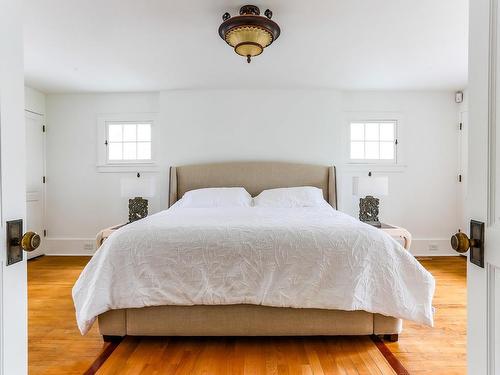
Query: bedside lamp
<point x="138" y="188"/>
<point x="369" y="188"/>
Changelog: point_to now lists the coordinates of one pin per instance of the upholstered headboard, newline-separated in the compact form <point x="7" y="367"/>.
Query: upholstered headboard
<point x="253" y="176"/>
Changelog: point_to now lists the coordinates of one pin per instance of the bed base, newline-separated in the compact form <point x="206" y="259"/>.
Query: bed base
<point x="391" y="338"/>
<point x="117" y="339"/>
<point x="244" y="320"/>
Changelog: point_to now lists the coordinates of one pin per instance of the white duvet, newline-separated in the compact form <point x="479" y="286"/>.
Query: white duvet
<point x="312" y="257"/>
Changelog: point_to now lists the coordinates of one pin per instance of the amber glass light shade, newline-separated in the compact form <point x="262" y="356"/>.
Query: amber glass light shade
<point x="246" y="34"/>
<point x="248" y="49"/>
<point x="249" y="33"/>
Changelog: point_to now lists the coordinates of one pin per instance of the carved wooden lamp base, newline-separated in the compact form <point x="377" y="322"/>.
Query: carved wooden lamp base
<point x="368" y="210"/>
<point x="137" y="209"/>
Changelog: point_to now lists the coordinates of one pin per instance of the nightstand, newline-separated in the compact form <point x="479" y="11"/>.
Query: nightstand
<point x="105" y="233"/>
<point x="394" y="231"/>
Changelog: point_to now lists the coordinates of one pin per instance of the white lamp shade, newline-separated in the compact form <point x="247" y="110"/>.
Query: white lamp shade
<point x="143" y="187"/>
<point x="374" y="186"/>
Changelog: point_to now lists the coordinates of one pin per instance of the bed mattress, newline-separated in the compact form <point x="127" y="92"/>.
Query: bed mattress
<point x="310" y="257"/>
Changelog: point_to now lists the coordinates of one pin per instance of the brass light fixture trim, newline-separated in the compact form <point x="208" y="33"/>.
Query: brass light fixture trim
<point x="249" y="33"/>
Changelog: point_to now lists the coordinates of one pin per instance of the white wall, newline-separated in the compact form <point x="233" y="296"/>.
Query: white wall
<point x="248" y="125"/>
<point x="34" y="100"/>
<point x="302" y="125"/>
<point x="79" y="200"/>
<point x="423" y="195"/>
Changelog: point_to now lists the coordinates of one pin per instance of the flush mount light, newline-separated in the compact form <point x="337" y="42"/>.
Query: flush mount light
<point x="249" y="33"/>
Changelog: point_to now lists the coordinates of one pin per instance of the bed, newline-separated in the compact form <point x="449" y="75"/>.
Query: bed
<point x="385" y="290"/>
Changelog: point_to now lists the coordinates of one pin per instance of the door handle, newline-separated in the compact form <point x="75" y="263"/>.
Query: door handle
<point x="17" y="241"/>
<point x="29" y="241"/>
<point x="460" y="242"/>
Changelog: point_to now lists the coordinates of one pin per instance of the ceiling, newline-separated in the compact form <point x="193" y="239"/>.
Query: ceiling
<point x="149" y="45"/>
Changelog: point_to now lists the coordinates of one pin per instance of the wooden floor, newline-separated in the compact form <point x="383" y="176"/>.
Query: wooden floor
<point x="355" y="355"/>
<point x="440" y="350"/>
<point x="56" y="347"/>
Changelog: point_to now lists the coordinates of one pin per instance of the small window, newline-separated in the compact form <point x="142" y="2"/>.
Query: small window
<point x="373" y="141"/>
<point x="128" y="142"/>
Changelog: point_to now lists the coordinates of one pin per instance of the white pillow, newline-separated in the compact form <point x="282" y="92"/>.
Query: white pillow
<point x="305" y="196"/>
<point x="216" y="197"/>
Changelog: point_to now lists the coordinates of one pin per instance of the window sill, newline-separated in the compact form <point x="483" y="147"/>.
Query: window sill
<point x="132" y="167"/>
<point x="375" y="167"/>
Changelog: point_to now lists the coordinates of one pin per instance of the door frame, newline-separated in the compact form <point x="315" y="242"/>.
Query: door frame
<point x="489" y="57"/>
<point x="491" y="269"/>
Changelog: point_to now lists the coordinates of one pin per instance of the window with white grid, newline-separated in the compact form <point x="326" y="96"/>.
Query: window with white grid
<point x="128" y="142"/>
<point x="373" y="141"/>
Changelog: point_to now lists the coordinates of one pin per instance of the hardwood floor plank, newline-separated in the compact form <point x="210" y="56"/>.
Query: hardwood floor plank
<point x="341" y="354"/>
<point x="313" y="358"/>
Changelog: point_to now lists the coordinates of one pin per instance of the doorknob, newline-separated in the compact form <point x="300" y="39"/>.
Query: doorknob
<point x="17" y="241"/>
<point x="29" y="241"/>
<point x="461" y="243"/>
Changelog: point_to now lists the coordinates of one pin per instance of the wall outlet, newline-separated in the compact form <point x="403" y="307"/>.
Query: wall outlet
<point x="88" y="246"/>
<point x="433" y="247"/>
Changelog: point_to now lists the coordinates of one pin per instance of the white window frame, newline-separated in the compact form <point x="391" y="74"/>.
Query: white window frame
<point x="386" y="162"/>
<point x="105" y="165"/>
<point x="128" y="161"/>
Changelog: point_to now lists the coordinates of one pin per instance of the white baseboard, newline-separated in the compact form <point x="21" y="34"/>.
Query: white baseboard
<point x="86" y="246"/>
<point x="422" y="247"/>
<point x="70" y="246"/>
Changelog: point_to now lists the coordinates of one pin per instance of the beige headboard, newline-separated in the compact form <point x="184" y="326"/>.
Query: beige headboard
<point x="253" y="176"/>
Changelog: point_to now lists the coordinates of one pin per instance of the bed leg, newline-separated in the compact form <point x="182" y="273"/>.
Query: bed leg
<point x="392" y="337"/>
<point x="108" y="338"/>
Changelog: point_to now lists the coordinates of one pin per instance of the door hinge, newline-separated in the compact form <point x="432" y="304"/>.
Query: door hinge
<point x="460" y="126"/>
<point x="459" y="178"/>
<point x="43" y="128"/>
<point x="43" y="179"/>
<point x="396" y="142"/>
<point x="106" y="142"/>
<point x="45" y="232"/>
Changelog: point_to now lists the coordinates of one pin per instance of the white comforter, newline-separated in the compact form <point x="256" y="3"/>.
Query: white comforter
<point x="289" y="257"/>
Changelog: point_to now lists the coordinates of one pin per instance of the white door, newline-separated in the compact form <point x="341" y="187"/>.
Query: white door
<point x="13" y="284"/>
<point x="483" y="187"/>
<point x="463" y="161"/>
<point x="35" y="166"/>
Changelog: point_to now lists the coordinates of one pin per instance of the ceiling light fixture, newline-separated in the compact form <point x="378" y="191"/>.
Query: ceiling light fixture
<point x="249" y="33"/>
